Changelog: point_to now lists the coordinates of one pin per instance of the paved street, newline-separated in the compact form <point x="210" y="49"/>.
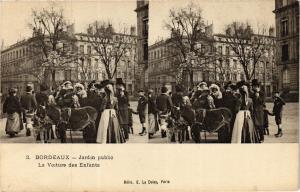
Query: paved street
<point x="290" y="127"/>
<point x="77" y="136"/>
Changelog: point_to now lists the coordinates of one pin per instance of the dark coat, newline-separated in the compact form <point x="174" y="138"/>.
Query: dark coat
<point x="188" y="114"/>
<point x="177" y="100"/>
<point x="12" y="105"/>
<point x="203" y="102"/>
<point x="230" y="102"/>
<point x="164" y="103"/>
<point x="152" y="109"/>
<point x="123" y="109"/>
<point x="258" y="109"/>
<point x="278" y="106"/>
<point x="64" y="98"/>
<point x="97" y="102"/>
<point x="218" y="101"/>
<point x="41" y="98"/>
<point x="28" y="102"/>
<point x="141" y="108"/>
<point x="142" y="104"/>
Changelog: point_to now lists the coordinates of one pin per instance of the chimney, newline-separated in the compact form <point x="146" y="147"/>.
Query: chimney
<point x="209" y="30"/>
<point x="271" y="32"/>
<point x="70" y="29"/>
<point x="132" y="30"/>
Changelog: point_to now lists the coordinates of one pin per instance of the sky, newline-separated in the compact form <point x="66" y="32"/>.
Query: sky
<point x="15" y="16"/>
<point x="218" y="12"/>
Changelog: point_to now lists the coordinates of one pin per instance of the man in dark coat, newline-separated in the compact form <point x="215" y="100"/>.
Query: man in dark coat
<point x="42" y="96"/>
<point x="96" y="98"/>
<point x="142" y="111"/>
<point x="177" y="97"/>
<point x="230" y="101"/>
<point x="258" y="99"/>
<point x="29" y="104"/>
<point x="164" y="105"/>
<point x="123" y="104"/>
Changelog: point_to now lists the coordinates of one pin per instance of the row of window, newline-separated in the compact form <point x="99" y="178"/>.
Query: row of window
<point x="162" y="52"/>
<point x="285" y="26"/>
<point x="14" y="54"/>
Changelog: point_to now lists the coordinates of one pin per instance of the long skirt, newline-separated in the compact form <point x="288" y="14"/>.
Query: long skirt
<point x="153" y="123"/>
<point x="109" y="130"/>
<point x="243" y="129"/>
<point x="13" y="123"/>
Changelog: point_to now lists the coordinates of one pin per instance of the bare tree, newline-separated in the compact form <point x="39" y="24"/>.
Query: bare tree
<point x="248" y="47"/>
<point x="52" y="42"/>
<point x="187" y="29"/>
<point x="110" y="46"/>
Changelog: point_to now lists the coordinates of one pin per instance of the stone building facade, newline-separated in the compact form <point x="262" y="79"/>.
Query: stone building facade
<point x="141" y="74"/>
<point x="287" y="34"/>
<point x="221" y="65"/>
<point x="19" y="65"/>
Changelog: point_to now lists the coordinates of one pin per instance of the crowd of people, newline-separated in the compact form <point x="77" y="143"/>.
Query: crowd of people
<point x="246" y="103"/>
<point x="111" y="101"/>
<point x="249" y="122"/>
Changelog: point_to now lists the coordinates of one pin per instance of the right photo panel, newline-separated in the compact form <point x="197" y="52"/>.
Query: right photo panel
<point x="223" y="71"/>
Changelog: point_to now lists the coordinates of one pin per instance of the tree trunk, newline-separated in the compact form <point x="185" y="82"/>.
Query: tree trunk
<point x="53" y="83"/>
<point x="191" y="76"/>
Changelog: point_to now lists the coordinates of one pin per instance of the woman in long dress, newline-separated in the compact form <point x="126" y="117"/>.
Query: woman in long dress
<point x="12" y="107"/>
<point x="109" y="130"/>
<point x="243" y="129"/>
<point x="152" y="114"/>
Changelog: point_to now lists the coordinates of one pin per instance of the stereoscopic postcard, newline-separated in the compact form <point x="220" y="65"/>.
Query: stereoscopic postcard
<point x="149" y="95"/>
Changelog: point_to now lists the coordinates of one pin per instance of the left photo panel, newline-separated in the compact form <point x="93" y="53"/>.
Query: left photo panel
<point x="74" y="72"/>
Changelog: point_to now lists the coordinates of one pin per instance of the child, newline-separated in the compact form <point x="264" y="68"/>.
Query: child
<point x="130" y="120"/>
<point x="266" y="120"/>
<point x="277" y="112"/>
<point x="141" y="111"/>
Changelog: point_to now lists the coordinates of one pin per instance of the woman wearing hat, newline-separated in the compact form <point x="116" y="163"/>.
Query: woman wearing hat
<point x="205" y="100"/>
<point x="216" y="95"/>
<point x="258" y="108"/>
<point x="109" y="130"/>
<point x="13" y="108"/>
<point x="244" y="129"/>
<point x="81" y="95"/>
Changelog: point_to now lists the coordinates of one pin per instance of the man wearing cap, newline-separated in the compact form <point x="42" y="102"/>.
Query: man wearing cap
<point x="123" y="103"/>
<point x="277" y="112"/>
<point x="29" y="104"/>
<point x="258" y="99"/>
